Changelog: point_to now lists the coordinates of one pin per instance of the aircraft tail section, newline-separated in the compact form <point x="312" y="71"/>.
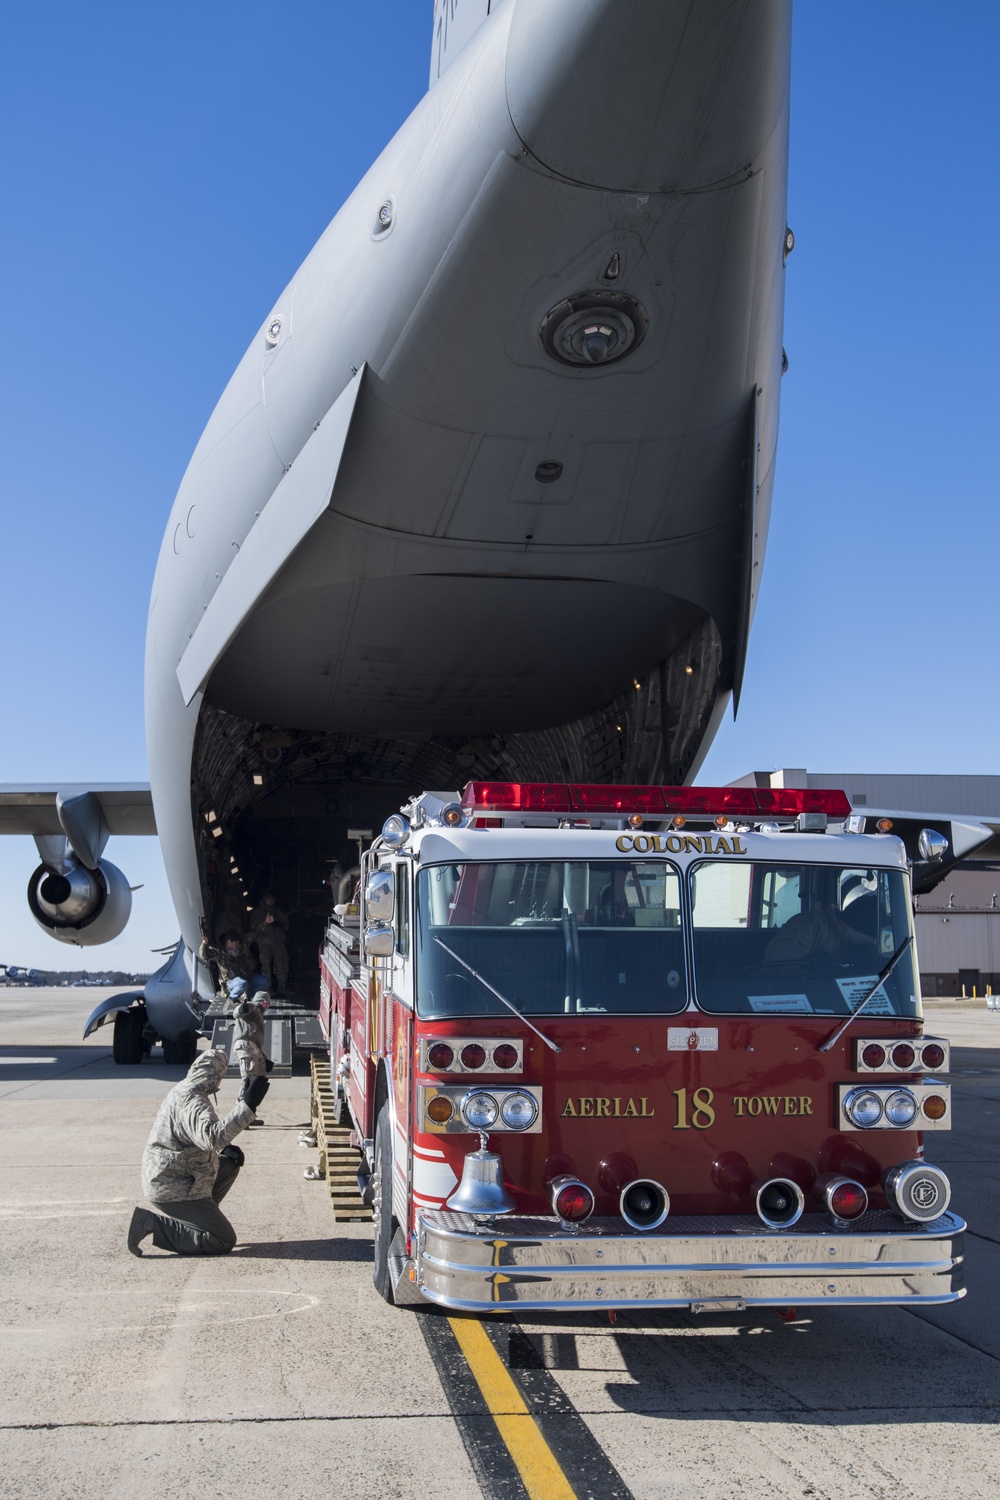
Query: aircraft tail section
<point x="455" y="22"/>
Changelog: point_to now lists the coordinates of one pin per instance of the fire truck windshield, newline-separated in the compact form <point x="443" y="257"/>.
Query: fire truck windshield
<point x="600" y="937"/>
<point x="800" y="939"/>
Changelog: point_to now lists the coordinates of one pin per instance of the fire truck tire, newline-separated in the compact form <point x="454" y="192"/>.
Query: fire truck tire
<point x="385" y="1224"/>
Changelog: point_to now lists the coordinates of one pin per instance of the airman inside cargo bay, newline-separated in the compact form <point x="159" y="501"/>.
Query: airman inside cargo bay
<point x="234" y="960"/>
<point x="269" y="924"/>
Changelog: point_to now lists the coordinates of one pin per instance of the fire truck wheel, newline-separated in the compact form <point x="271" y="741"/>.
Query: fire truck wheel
<point x="385" y="1224"/>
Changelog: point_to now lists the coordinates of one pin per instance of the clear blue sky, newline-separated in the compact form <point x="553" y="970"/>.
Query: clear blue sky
<point x="166" y="168"/>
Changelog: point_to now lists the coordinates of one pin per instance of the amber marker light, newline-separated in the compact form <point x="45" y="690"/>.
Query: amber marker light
<point x="935" y="1107"/>
<point x="635" y="820"/>
<point x="884" y="825"/>
<point x="440" y="1109"/>
<point x="678" y="820"/>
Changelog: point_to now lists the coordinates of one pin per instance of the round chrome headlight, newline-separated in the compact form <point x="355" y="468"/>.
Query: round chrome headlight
<point x="480" y="1110"/>
<point x="395" y="831"/>
<point x="863" y="1108"/>
<point x="900" y="1108"/>
<point x="518" y="1111"/>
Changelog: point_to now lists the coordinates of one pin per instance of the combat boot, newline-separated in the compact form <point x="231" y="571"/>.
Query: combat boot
<point x="143" y="1223"/>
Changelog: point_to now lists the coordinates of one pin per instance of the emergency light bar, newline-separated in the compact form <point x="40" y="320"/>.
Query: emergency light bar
<point x="652" y="801"/>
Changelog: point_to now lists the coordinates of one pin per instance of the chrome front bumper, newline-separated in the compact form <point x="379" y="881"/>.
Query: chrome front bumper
<point x="706" y="1264"/>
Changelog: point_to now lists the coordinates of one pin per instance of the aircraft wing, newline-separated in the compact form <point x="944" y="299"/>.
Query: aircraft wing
<point x="125" y="807"/>
<point x="969" y="838"/>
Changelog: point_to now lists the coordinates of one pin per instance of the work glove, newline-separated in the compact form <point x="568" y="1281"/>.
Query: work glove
<point x="253" y="1092"/>
<point x="234" y="1154"/>
<point x="269" y="1064"/>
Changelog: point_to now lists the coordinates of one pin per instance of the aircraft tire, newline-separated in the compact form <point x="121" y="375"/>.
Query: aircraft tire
<point x="180" y="1051"/>
<point x="385" y="1224"/>
<point x="126" y="1046"/>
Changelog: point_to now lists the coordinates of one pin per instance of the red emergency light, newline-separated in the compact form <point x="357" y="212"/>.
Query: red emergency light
<point x="653" y="801"/>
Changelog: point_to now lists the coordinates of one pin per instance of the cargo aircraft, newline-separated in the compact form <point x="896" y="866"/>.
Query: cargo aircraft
<point x="487" y="496"/>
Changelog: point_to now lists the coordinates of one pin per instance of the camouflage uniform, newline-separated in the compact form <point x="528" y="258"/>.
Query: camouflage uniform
<point x="270" y="940"/>
<point x="188" y="1165"/>
<point x="248" y="1038"/>
<point x="230" y="966"/>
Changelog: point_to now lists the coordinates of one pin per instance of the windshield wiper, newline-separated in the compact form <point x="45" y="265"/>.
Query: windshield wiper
<point x="894" y="960"/>
<point x="502" y="998"/>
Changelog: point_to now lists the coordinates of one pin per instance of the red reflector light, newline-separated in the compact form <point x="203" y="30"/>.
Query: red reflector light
<point x="440" y="1055"/>
<point x="505" y="1056"/>
<point x="932" y="1055"/>
<point x="573" y="1202"/>
<point x="848" y="1200"/>
<point x="873" y="1056"/>
<point x="473" y="1055"/>
<point x="790" y="801"/>
<point x="903" y="1056"/>
<point x="736" y="801"/>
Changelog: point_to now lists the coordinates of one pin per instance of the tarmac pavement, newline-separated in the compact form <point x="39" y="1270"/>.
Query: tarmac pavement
<point x="278" y="1370"/>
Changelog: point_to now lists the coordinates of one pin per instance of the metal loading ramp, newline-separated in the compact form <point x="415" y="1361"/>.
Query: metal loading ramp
<point x="338" y="1159"/>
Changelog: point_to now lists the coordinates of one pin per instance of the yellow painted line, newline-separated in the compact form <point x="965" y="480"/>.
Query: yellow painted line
<point x="536" y="1463"/>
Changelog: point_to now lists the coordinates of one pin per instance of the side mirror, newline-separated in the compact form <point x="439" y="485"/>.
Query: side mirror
<point x="931" y="844"/>
<point x="380" y="896"/>
<point x="379" y="940"/>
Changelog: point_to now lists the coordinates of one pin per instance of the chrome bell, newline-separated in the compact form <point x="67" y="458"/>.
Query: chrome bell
<point x="481" y="1191"/>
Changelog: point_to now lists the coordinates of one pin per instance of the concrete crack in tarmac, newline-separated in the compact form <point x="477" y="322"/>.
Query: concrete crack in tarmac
<point x="974" y="1234"/>
<point x="914" y="1313"/>
<point x="750" y="1413"/>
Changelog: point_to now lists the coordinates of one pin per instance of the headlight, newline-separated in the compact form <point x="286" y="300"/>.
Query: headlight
<point x="900" y="1108"/>
<point x="864" y="1108"/>
<point x="518" y="1111"/>
<point x="480" y="1110"/>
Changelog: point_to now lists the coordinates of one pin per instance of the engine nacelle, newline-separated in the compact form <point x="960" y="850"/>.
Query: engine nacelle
<point x="78" y="905"/>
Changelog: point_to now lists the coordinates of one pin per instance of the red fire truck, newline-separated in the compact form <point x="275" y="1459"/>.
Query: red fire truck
<point x="610" y="1046"/>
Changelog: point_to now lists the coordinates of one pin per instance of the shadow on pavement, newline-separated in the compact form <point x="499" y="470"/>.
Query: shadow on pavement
<point x="359" y="1251"/>
<point x="33" y="1064"/>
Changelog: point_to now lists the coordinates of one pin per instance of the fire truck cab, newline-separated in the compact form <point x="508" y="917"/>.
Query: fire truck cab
<point x="610" y="1046"/>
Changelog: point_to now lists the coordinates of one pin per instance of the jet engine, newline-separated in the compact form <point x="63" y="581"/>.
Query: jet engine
<point x="77" y="905"/>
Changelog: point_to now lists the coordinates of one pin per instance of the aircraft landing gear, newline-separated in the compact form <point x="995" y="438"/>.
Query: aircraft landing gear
<point x="127" y="1045"/>
<point x="180" y="1051"/>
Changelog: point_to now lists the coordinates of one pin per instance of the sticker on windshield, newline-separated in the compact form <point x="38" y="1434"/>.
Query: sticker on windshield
<point x="855" y="989"/>
<point x="781" y="1005"/>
